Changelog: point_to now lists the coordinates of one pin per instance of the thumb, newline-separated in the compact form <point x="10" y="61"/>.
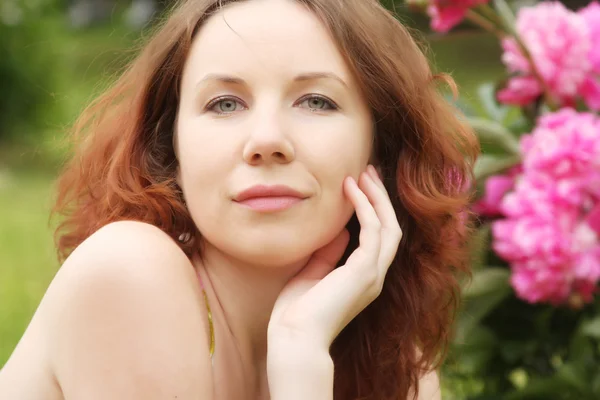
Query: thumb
<point x="323" y="261"/>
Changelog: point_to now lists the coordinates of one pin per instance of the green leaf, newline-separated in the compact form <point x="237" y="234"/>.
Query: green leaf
<point x="581" y="349"/>
<point x="542" y="389"/>
<point x="574" y="376"/>
<point x="596" y="384"/>
<point x="487" y="99"/>
<point x="488" y="165"/>
<point x="506" y="15"/>
<point x="592" y="328"/>
<point x="473" y="356"/>
<point x="488" y="280"/>
<point x="514" y="350"/>
<point x="569" y="382"/>
<point x="479" y="246"/>
<point x="488" y="288"/>
<point x="494" y="133"/>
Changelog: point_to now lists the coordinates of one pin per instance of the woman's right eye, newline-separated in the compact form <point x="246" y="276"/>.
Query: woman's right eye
<point x="223" y="105"/>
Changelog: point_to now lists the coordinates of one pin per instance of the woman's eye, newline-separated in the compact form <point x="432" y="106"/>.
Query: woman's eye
<point x="225" y="105"/>
<point x="319" y="103"/>
<point x="228" y="105"/>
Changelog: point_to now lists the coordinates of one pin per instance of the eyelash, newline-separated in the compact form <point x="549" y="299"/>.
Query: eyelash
<point x="333" y="106"/>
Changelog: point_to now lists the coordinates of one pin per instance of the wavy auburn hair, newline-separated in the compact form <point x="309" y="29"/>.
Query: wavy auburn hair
<point x="124" y="168"/>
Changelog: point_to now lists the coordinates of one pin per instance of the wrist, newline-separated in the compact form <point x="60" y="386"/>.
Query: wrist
<point x="299" y="371"/>
<point x="297" y="357"/>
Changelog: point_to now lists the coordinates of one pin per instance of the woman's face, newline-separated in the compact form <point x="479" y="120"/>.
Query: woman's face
<point x="266" y="99"/>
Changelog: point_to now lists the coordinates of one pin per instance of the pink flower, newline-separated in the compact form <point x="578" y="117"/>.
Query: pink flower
<point x="565" y="144"/>
<point x="520" y="90"/>
<point x="551" y="234"/>
<point x="591" y="15"/>
<point x="445" y="14"/>
<point x="590" y="92"/>
<point x="560" y="44"/>
<point x="593" y="219"/>
<point x="535" y="194"/>
<point x="495" y="188"/>
<point x="527" y="240"/>
<point x="547" y="259"/>
<point x="540" y="285"/>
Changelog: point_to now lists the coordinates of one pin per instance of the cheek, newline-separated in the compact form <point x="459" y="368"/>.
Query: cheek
<point x="204" y="167"/>
<point x="205" y="156"/>
<point x="342" y="151"/>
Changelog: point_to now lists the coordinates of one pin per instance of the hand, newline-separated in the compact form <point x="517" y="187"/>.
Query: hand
<point x="321" y="300"/>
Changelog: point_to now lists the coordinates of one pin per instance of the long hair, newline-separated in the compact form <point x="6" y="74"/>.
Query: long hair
<point x="124" y="168"/>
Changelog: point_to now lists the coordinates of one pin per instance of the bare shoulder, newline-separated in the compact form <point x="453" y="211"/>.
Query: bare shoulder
<point x="429" y="384"/>
<point x="429" y="387"/>
<point x="125" y="319"/>
<point x="128" y="240"/>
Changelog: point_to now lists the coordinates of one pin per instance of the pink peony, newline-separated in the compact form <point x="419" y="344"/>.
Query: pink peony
<point x="534" y="194"/>
<point x="551" y="233"/>
<point x="564" y="145"/>
<point x="495" y="188"/>
<point x="560" y="44"/>
<point x="593" y="219"/>
<point x="591" y="15"/>
<point x="520" y="90"/>
<point x="445" y="14"/>
<point x="548" y="258"/>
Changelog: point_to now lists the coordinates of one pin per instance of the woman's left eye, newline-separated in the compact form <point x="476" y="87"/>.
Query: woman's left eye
<point x="223" y="105"/>
<point x="319" y="103"/>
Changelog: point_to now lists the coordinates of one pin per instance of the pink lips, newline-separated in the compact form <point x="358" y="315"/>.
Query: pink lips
<point x="269" y="198"/>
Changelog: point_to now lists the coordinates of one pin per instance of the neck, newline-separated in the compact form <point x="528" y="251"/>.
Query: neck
<point x="245" y="295"/>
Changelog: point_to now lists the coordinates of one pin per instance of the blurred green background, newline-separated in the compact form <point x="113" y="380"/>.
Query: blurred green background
<point x="55" y="56"/>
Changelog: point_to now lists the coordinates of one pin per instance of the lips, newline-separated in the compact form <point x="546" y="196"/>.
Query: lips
<point x="261" y="191"/>
<point x="266" y="199"/>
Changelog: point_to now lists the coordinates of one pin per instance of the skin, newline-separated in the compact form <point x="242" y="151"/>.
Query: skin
<point x="132" y="323"/>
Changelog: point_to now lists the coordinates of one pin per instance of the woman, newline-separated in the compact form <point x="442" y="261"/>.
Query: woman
<point x="223" y="179"/>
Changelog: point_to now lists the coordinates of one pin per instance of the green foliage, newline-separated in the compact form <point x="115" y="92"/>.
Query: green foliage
<point x="26" y="68"/>
<point x="49" y="71"/>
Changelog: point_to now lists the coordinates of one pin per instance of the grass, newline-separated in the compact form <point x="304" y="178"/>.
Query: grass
<point x="27" y="261"/>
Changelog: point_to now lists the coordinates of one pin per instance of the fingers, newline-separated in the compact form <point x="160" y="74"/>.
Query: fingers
<point x="390" y="233"/>
<point x="375" y="175"/>
<point x="370" y="226"/>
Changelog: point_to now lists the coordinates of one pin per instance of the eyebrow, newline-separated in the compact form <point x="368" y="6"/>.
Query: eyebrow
<point x="308" y="76"/>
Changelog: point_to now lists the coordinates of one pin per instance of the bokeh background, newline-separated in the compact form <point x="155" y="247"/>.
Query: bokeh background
<point x="57" y="55"/>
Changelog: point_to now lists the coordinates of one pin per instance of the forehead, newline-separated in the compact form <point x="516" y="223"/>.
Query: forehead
<point x="267" y="37"/>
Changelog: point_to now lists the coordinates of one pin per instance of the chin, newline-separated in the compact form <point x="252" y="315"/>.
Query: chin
<point x="276" y="242"/>
<point x="275" y="250"/>
<point x="270" y="247"/>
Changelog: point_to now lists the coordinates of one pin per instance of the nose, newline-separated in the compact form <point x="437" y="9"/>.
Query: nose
<point x="267" y="141"/>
